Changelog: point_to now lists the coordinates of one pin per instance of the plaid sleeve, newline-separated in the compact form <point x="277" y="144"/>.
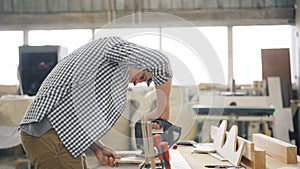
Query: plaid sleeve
<point x="143" y="58"/>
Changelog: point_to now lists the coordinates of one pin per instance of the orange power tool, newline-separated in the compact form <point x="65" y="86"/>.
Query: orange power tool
<point x="165" y="153"/>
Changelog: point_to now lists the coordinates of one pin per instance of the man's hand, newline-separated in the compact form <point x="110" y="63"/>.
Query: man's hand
<point x="155" y="126"/>
<point x="105" y="155"/>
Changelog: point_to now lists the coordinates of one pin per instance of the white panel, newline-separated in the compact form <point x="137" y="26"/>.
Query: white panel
<point x="282" y="124"/>
<point x="177" y="161"/>
<point x="275" y="93"/>
<point x="242" y="101"/>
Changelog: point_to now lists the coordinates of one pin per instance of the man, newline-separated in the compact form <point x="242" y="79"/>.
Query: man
<point x="84" y="95"/>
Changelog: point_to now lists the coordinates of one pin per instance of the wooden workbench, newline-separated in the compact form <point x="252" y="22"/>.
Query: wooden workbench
<point x="13" y="108"/>
<point x="198" y="161"/>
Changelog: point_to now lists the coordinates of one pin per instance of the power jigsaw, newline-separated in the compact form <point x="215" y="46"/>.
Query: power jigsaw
<point x="170" y="132"/>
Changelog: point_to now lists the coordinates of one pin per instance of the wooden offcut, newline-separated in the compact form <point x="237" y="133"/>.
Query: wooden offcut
<point x="282" y="151"/>
<point x="252" y="156"/>
<point x="259" y="161"/>
<point x="145" y="140"/>
<point x="228" y="148"/>
<point x="259" y="158"/>
<point x="249" y="146"/>
<point x="151" y="145"/>
<point x="148" y="143"/>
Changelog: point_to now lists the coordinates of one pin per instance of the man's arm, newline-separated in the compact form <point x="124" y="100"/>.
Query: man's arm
<point x="142" y="58"/>
<point x="105" y="154"/>
<point x="163" y="101"/>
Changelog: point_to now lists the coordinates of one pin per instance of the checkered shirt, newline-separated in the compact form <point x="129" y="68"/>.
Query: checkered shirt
<point x="86" y="92"/>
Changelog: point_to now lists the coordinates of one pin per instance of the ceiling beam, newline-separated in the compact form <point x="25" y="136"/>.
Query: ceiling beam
<point x="218" y="17"/>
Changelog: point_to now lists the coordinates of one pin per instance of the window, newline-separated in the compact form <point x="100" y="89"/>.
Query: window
<point x="9" y="57"/>
<point x="199" y="54"/>
<point x="180" y="52"/>
<point x="71" y="39"/>
<point x="217" y="37"/>
<point x="247" y="44"/>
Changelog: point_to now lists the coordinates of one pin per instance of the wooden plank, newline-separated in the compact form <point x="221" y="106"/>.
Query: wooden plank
<point x="274" y="163"/>
<point x="260" y="158"/>
<point x="130" y="160"/>
<point x="145" y="141"/>
<point x="259" y="161"/>
<point x="278" y="149"/>
<point x="151" y="144"/>
<point x="267" y="131"/>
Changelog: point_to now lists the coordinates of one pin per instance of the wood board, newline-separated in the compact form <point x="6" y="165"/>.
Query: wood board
<point x="278" y="149"/>
<point x="276" y="63"/>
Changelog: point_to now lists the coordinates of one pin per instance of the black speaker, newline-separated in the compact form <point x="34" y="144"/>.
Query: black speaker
<point x="35" y="63"/>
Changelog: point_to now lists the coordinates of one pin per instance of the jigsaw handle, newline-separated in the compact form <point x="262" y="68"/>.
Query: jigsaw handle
<point x="165" y="153"/>
<point x="178" y="130"/>
<point x="168" y="128"/>
<point x="168" y="132"/>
